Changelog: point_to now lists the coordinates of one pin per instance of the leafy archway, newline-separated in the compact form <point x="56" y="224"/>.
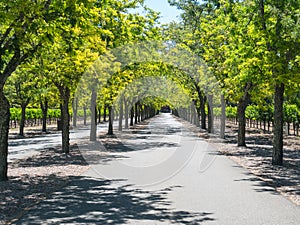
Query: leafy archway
<point x="110" y="74"/>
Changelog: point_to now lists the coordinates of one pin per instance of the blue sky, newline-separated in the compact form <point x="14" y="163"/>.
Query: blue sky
<point x="168" y="13"/>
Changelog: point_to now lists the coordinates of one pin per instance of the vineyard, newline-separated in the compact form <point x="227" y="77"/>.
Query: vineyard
<point x="256" y="117"/>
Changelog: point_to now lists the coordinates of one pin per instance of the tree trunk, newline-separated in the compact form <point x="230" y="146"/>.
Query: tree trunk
<point x="84" y="116"/>
<point x="110" y="120"/>
<point x="93" y="131"/>
<point x="139" y="111"/>
<point x="210" y="114"/>
<point x="198" y="116"/>
<point x="223" y="117"/>
<point x="44" y="107"/>
<point x="65" y="115"/>
<point x="23" y="116"/>
<point x="242" y="105"/>
<point x="131" y="115"/>
<point x="126" y="115"/>
<point x="202" y="111"/>
<point x="121" y="114"/>
<point x="136" y="113"/>
<point x="104" y="113"/>
<point x="277" y="158"/>
<point x="4" y="128"/>
<point x="75" y="108"/>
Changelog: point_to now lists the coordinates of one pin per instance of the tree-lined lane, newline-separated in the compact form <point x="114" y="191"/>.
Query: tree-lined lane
<point x="165" y="175"/>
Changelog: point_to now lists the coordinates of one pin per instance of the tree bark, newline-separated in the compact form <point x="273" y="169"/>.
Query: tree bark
<point x="242" y="105"/>
<point x="65" y="116"/>
<point x="110" y="120"/>
<point x="202" y="111"/>
<point x="223" y="117"/>
<point x="136" y="113"/>
<point x="121" y="114"/>
<point x="4" y="128"/>
<point x="126" y="114"/>
<point x="104" y="113"/>
<point x="131" y="115"/>
<point x="23" y="117"/>
<point x="277" y="158"/>
<point x="93" y="131"/>
<point x="198" y="111"/>
<point x="75" y="108"/>
<point x="210" y="114"/>
<point x="84" y="116"/>
<point x="24" y="105"/>
<point x="44" y="107"/>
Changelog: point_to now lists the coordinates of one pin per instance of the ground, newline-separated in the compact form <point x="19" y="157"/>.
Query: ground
<point x="35" y="178"/>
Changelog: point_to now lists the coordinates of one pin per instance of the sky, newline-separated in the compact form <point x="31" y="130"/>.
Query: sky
<point x="168" y="13"/>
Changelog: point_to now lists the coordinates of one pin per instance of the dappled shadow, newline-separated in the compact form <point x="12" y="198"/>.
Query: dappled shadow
<point x="258" y="184"/>
<point x="53" y="157"/>
<point x="32" y="132"/>
<point x="119" y="146"/>
<point x="90" y="201"/>
<point x="20" y="193"/>
<point x="257" y="158"/>
<point x="276" y="176"/>
<point x="95" y="153"/>
<point x="21" y="141"/>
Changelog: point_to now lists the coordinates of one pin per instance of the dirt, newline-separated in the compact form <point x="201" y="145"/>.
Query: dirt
<point x="31" y="180"/>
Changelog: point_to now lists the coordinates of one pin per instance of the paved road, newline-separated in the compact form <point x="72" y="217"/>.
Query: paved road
<point x="163" y="174"/>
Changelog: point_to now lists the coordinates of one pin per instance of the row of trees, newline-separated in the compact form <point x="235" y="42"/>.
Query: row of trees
<point x="252" y="48"/>
<point x="45" y="47"/>
<point x="244" y="51"/>
<point x="252" y="112"/>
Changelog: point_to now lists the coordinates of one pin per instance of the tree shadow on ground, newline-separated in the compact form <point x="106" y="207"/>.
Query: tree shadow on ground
<point x="258" y="184"/>
<point x="258" y="155"/>
<point x="115" y="144"/>
<point x="92" y="201"/>
<point x="119" y="146"/>
<point x="21" y="192"/>
<point x="54" y="157"/>
<point x="35" y="140"/>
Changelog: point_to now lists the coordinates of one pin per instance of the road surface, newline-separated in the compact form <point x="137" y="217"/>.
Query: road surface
<point x="164" y="174"/>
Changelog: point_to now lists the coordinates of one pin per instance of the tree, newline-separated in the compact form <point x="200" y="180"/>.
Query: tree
<point x="21" y="89"/>
<point x="280" y="26"/>
<point x="22" y="33"/>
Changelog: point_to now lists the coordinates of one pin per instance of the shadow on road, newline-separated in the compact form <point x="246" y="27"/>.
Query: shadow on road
<point x="91" y="201"/>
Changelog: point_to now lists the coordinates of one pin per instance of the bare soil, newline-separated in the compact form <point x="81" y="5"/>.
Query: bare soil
<point x="31" y="180"/>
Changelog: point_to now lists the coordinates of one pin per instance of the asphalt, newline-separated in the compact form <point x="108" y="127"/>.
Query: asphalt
<point x="164" y="174"/>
